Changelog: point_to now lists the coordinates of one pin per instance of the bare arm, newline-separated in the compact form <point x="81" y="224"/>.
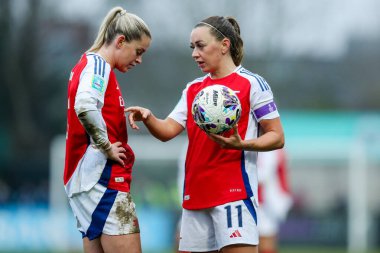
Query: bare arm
<point x="162" y="129"/>
<point x="272" y="138"/>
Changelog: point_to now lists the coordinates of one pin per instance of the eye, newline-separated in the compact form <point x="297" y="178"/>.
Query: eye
<point x="192" y="46"/>
<point x="200" y="45"/>
<point x="139" y="52"/>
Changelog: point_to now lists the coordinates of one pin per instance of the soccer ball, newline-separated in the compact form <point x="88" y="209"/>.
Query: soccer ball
<point x="216" y="109"/>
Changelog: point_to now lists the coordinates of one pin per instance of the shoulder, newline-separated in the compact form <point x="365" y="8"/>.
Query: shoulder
<point x="256" y="81"/>
<point x="97" y="65"/>
<point x="196" y="81"/>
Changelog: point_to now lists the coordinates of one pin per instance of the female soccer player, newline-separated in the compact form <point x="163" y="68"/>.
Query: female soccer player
<point x="99" y="161"/>
<point x="220" y="193"/>
<point x="274" y="197"/>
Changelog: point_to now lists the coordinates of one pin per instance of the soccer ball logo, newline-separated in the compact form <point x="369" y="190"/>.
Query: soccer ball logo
<point x="216" y="109"/>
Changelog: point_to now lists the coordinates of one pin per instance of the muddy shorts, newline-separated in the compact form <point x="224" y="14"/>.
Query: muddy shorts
<point x="104" y="211"/>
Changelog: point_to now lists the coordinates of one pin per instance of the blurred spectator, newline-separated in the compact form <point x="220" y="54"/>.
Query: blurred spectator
<point x="274" y="197"/>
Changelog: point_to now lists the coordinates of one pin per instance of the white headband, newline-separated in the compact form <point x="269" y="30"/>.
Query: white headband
<point x="214" y="28"/>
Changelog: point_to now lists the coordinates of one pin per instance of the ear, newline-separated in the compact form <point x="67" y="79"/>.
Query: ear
<point x="120" y="39"/>
<point x="226" y="43"/>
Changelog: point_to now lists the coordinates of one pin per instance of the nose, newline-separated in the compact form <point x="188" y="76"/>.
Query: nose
<point x="195" y="53"/>
<point x="139" y="59"/>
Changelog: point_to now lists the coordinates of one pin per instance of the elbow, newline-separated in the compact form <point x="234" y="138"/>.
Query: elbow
<point x="84" y="103"/>
<point x="160" y="137"/>
<point x="163" y="139"/>
<point x="166" y="135"/>
<point x="281" y="142"/>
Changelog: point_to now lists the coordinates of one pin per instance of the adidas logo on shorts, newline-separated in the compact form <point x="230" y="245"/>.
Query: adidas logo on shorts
<point x="236" y="233"/>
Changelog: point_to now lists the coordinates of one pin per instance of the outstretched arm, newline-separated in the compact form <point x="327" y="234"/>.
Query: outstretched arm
<point x="162" y="129"/>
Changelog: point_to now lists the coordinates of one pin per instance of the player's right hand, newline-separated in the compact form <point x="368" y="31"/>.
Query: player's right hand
<point x="137" y="113"/>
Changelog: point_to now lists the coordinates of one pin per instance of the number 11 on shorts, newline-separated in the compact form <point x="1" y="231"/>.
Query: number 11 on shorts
<point x="229" y="216"/>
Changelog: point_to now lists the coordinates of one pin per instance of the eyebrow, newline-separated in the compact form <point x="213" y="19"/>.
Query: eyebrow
<point x="196" y="41"/>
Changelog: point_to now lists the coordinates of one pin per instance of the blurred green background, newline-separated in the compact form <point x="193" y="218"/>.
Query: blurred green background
<point x="321" y="59"/>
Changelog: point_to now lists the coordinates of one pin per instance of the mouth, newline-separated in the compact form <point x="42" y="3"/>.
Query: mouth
<point x="201" y="64"/>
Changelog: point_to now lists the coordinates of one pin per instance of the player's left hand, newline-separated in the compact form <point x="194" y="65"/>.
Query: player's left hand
<point x="232" y="142"/>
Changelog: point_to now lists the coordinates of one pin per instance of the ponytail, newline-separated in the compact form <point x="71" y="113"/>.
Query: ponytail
<point x="118" y="21"/>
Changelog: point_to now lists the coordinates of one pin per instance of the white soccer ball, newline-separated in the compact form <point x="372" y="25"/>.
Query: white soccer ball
<point x="216" y="109"/>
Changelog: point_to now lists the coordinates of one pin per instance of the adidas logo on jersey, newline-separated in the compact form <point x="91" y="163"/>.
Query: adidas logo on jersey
<point x="236" y="233"/>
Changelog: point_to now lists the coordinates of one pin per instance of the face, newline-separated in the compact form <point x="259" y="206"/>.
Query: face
<point x="207" y="51"/>
<point x="129" y="54"/>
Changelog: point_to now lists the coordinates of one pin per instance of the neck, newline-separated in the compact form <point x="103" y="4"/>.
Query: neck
<point x="225" y="70"/>
<point x="106" y="53"/>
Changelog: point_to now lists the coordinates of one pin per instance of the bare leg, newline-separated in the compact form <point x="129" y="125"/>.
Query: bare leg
<point x="92" y="246"/>
<point x="204" y="252"/>
<point x="268" y="244"/>
<point x="121" y="243"/>
<point x="240" y="248"/>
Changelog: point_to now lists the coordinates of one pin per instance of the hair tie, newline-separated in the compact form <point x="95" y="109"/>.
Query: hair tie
<point x="123" y="12"/>
<point x="213" y="28"/>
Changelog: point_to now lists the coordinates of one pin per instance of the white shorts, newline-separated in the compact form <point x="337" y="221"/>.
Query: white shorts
<point x="214" y="228"/>
<point x="104" y="211"/>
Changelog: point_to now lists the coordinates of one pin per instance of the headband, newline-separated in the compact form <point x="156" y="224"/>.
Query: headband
<point x="213" y="28"/>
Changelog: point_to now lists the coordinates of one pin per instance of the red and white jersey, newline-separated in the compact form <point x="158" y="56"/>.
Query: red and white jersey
<point x="274" y="192"/>
<point x="93" y="81"/>
<point x="214" y="176"/>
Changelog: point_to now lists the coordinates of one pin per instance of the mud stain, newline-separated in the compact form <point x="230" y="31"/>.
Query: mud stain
<point x="126" y="215"/>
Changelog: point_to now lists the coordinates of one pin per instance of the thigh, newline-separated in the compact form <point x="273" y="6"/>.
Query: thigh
<point x="197" y="231"/>
<point x="91" y="209"/>
<point x="236" y="223"/>
<point x="122" y="218"/>
<point x="240" y="248"/>
<point x="130" y="243"/>
<point x="104" y="211"/>
<point x="93" y="246"/>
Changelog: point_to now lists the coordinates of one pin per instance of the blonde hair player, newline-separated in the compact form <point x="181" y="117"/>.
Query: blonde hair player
<point x="220" y="187"/>
<point x="99" y="161"/>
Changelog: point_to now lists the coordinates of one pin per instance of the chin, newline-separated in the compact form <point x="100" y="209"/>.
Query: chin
<point x="123" y="70"/>
<point x="205" y="70"/>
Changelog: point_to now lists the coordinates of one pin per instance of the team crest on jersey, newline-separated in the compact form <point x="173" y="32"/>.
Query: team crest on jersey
<point x="98" y="83"/>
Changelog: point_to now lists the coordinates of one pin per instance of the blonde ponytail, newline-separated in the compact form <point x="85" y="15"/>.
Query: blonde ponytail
<point x="118" y="21"/>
